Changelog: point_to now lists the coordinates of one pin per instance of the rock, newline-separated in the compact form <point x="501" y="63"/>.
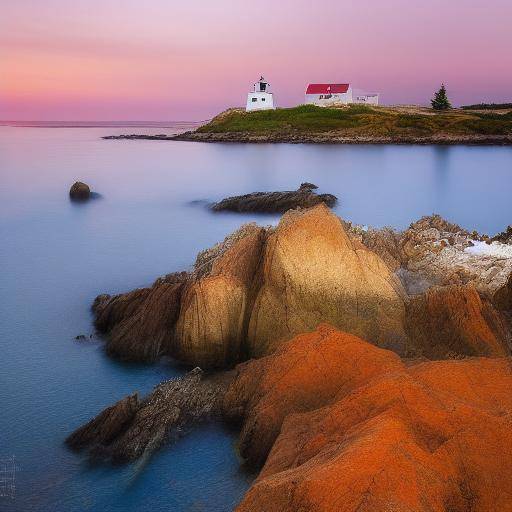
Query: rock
<point x="215" y="309"/>
<point x="79" y="191"/>
<point x="140" y="324"/>
<point x="342" y="425"/>
<point x="106" y="426"/>
<point x="275" y="202"/>
<point x="313" y="272"/>
<point x="454" y="321"/>
<point x="262" y="286"/>
<point x="133" y="428"/>
<point x="81" y="337"/>
<point x="433" y="251"/>
<point x="504" y="237"/>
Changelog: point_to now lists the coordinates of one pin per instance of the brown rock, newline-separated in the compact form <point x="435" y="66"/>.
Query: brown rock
<point x="312" y="273"/>
<point x="79" y="191"/>
<point x="455" y="321"/>
<point x="214" y="310"/>
<point x="140" y="324"/>
<point x="106" y="426"/>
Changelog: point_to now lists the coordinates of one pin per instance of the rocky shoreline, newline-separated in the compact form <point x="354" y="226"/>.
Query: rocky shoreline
<point x="348" y="357"/>
<point x="322" y="138"/>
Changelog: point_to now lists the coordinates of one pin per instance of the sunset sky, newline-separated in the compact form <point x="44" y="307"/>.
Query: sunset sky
<point x="187" y="60"/>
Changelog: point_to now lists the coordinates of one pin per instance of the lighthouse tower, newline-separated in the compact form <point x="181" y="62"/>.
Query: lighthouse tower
<point x="260" y="98"/>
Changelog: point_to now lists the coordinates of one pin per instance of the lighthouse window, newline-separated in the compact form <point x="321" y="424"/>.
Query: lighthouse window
<point x="254" y="100"/>
<point x="262" y="99"/>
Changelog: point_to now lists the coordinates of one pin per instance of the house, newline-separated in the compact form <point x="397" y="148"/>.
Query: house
<point x="325" y="95"/>
<point x="260" y="98"/>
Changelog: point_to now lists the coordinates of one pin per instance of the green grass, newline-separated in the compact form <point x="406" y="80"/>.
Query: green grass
<point x="360" y="120"/>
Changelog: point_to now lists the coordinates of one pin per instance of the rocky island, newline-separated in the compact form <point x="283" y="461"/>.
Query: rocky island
<point x="352" y="124"/>
<point x="275" y="202"/>
<point x="368" y="369"/>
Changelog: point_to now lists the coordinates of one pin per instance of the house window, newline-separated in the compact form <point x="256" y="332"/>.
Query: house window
<point x="254" y="99"/>
<point x="262" y="99"/>
<point x="321" y="96"/>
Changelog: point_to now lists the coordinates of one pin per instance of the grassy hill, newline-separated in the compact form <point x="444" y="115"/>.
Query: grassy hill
<point x="361" y="121"/>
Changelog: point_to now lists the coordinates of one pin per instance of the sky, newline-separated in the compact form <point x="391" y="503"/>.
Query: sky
<point x="163" y="60"/>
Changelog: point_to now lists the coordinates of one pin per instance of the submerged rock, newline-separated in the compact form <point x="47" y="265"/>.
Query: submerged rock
<point x="341" y="425"/>
<point x="276" y="202"/>
<point x="79" y="191"/>
<point x="133" y="428"/>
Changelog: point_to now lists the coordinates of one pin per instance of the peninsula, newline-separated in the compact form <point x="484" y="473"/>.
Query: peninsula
<point x="352" y="124"/>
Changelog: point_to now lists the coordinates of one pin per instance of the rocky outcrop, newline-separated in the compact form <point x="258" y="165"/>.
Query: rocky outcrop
<point x="134" y="428"/>
<point x="262" y="286"/>
<point x="313" y="272"/>
<point x="79" y="191"/>
<point x="141" y="323"/>
<point x="342" y="425"/>
<point x="454" y="321"/>
<point x="276" y="202"/>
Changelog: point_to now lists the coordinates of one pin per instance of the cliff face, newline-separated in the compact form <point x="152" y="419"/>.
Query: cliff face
<point x="260" y="287"/>
<point x="349" y="427"/>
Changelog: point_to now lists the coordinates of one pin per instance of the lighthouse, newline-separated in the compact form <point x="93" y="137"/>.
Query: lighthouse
<point x="260" y="98"/>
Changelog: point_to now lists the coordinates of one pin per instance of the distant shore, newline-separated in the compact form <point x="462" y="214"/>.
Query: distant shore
<point x="353" y="124"/>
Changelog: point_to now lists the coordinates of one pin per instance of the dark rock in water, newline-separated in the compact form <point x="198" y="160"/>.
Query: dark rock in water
<point x="81" y="337"/>
<point x="106" y="426"/>
<point x="79" y="191"/>
<point x="275" y="202"/>
<point x="132" y="428"/>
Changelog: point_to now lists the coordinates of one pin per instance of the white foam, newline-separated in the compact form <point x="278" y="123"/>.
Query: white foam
<point x="495" y="249"/>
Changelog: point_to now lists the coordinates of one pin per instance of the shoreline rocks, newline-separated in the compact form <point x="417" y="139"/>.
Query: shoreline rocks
<point x="262" y="286"/>
<point x="275" y="202"/>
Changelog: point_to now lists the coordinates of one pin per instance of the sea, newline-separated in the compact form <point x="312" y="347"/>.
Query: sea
<point x="150" y="217"/>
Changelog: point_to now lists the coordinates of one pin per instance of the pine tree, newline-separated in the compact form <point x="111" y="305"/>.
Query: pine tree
<point x="441" y="101"/>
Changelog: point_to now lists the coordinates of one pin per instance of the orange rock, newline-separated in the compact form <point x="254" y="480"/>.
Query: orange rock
<point x="352" y="428"/>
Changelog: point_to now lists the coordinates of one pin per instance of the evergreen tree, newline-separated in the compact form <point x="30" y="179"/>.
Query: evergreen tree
<point x="441" y="101"/>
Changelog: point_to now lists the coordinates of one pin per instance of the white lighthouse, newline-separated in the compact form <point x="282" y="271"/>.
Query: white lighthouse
<point x="260" y="98"/>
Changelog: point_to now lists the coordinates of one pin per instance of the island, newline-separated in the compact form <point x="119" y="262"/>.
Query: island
<point x="352" y="124"/>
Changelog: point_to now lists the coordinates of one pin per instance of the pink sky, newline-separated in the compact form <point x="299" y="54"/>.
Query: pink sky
<point x="187" y="60"/>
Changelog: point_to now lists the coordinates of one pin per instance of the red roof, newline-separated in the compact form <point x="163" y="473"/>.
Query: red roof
<point x="327" y="88"/>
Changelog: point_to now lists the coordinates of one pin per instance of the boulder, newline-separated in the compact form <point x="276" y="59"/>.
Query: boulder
<point x="343" y="426"/>
<point x="79" y="191"/>
<point x="313" y="272"/>
<point x="276" y="202"/>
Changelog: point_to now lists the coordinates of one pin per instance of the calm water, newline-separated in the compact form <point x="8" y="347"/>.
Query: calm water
<point x="56" y="257"/>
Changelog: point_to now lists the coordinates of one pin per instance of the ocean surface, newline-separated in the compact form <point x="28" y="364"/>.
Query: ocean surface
<point x="151" y="219"/>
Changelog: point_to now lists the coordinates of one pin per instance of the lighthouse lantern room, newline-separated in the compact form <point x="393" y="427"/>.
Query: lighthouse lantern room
<point x="260" y="98"/>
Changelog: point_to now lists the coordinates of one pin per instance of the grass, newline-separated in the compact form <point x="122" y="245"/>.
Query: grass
<point x="360" y="120"/>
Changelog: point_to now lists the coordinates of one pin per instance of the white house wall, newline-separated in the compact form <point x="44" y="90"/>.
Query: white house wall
<point x="259" y="101"/>
<point x="335" y="99"/>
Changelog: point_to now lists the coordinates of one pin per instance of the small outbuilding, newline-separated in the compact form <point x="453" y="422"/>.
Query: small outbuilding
<point x="260" y="98"/>
<point x="325" y="95"/>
